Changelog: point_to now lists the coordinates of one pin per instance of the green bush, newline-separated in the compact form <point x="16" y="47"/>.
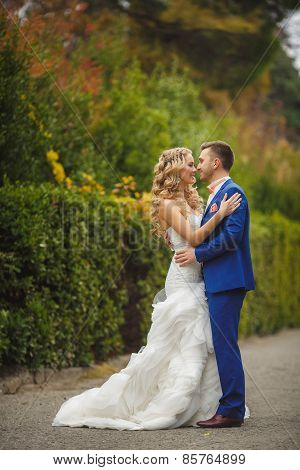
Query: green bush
<point x="22" y="150"/>
<point x="143" y="115"/>
<point x="269" y="196"/>
<point x="36" y="116"/>
<point x="144" y="275"/>
<point x="60" y="302"/>
<point x="79" y="273"/>
<point x="275" y="244"/>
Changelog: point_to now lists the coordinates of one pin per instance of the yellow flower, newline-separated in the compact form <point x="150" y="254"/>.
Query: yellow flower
<point x="86" y="176"/>
<point x="48" y="135"/>
<point x="31" y="115"/>
<point x="146" y="197"/>
<point x="52" y="156"/>
<point x="100" y="188"/>
<point x="23" y="97"/>
<point x="86" y="188"/>
<point x="127" y="179"/>
<point x="69" y="182"/>
<point x="58" y="171"/>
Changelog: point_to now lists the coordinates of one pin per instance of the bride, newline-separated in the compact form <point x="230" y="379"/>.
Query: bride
<point x="173" y="380"/>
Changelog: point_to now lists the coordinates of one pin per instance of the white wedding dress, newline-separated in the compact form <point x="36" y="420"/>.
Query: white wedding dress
<point x="173" y="380"/>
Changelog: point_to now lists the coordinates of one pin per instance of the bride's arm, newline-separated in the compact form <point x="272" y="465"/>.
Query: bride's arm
<point x="170" y="212"/>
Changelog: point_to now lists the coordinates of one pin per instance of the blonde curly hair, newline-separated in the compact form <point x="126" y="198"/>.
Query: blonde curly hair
<point x="166" y="185"/>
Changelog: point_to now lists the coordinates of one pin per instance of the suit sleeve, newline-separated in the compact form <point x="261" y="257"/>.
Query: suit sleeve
<point x="230" y="235"/>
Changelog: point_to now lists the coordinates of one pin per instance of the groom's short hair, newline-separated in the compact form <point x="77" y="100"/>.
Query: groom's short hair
<point x="222" y="150"/>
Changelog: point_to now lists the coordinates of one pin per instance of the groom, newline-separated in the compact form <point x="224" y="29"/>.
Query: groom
<point x="228" y="275"/>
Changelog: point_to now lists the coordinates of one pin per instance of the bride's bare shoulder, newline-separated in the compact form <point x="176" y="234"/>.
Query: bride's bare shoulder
<point x="167" y="204"/>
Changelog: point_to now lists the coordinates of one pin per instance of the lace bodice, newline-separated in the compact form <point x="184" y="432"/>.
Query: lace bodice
<point x="180" y="277"/>
<point x="179" y="242"/>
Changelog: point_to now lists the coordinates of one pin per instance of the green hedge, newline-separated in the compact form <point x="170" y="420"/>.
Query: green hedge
<point x="275" y="249"/>
<point x="79" y="273"/>
<point x="61" y="302"/>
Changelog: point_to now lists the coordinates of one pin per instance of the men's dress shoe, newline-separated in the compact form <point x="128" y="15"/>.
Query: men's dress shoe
<point x="219" y="421"/>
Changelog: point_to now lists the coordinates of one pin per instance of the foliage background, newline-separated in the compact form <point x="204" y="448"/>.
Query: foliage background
<point x="90" y="94"/>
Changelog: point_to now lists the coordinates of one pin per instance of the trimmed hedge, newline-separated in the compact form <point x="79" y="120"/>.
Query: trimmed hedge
<point x="275" y="249"/>
<point x="79" y="273"/>
<point x="61" y="302"/>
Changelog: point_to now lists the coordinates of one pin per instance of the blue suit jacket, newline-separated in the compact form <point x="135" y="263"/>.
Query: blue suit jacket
<point x="225" y="253"/>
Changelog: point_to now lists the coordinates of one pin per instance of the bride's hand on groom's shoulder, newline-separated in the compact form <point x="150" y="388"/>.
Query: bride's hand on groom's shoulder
<point x="228" y="206"/>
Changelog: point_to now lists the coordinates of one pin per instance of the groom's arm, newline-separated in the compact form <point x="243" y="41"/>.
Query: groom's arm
<point x="230" y="235"/>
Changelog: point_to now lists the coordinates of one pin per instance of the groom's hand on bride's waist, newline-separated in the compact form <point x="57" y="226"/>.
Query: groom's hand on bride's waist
<point x="185" y="256"/>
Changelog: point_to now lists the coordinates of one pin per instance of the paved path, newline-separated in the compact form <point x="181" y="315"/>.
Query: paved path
<point x="272" y="366"/>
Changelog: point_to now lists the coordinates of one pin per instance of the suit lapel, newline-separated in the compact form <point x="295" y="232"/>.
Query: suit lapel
<point x="217" y="194"/>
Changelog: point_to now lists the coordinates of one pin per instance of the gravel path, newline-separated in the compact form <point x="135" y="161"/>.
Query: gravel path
<point x="273" y="391"/>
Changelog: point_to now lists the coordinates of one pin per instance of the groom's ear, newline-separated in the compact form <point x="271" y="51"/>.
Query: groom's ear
<point x="217" y="163"/>
<point x="222" y="151"/>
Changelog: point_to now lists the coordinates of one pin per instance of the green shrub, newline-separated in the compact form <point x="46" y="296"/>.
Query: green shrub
<point x="36" y="116"/>
<point x="60" y="302"/>
<point x="268" y="197"/>
<point x="22" y="147"/>
<point x="79" y="273"/>
<point x="275" y="242"/>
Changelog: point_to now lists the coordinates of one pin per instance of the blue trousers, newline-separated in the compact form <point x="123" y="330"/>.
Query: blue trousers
<point x="225" y="308"/>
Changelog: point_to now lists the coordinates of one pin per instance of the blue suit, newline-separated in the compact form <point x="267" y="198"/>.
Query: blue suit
<point x="228" y="275"/>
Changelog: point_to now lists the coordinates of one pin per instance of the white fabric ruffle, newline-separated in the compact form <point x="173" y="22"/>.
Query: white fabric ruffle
<point x="173" y="380"/>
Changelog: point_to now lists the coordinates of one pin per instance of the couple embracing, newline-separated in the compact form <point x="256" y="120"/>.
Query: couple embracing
<point x="190" y="371"/>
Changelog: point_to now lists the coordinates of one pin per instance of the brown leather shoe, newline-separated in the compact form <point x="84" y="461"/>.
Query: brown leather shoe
<point x="219" y="421"/>
<point x="208" y="420"/>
